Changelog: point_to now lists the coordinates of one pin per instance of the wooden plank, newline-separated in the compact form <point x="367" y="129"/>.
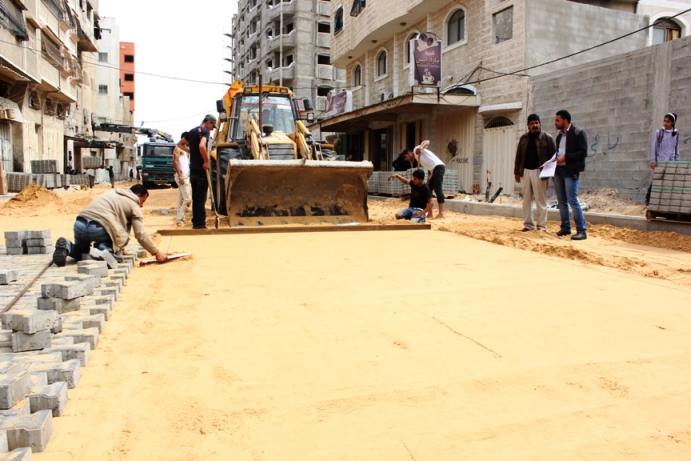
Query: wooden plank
<point x="294" y="229"/>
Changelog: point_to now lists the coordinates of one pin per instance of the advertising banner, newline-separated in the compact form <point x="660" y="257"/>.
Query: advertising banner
<point x="338" y="103"/>
<point x="425" y="61"/>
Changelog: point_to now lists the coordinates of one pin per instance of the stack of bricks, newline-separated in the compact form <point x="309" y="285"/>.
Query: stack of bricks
<point x="31" y="328"/>
<point x="7" y="276"/>
<point x="671" y="191"/>
<point x="28" y="242"/>
<point x="44" y="166"/>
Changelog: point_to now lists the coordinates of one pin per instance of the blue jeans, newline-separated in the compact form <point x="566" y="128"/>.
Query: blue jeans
<point x="85" y="232"/>
<point x="566" y="186"/>
<point x="408" y="213"/>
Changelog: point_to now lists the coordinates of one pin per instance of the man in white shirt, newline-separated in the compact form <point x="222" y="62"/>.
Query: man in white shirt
<point x="181" y="163"/>
<point x="436" y="169"/>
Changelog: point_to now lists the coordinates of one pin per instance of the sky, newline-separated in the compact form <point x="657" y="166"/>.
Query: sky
<point x="178" y="40"/>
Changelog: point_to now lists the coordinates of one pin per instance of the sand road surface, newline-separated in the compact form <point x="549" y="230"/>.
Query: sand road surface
<point x="389" y="345"/>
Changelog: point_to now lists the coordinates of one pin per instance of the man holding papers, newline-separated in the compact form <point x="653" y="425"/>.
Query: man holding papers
<point x="534" y="149"/>
<point x="572" y="146"/>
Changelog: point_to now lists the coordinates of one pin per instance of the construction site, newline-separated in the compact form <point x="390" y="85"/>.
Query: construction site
<point x="463" y="338"/>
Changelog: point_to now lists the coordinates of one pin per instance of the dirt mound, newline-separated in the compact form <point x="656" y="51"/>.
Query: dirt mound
<point x="33" y="196"/>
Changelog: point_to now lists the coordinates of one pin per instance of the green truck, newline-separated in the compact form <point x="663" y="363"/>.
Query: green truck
<point x="157" y="163"/>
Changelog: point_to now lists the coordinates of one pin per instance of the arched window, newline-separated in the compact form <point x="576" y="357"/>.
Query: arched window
<point x="407" y="46"/>
<point x="381" y="64"/>
<point x="498" y="122"/>
<point x="665" y="30"/>
<point x="455" y="27"/>
<point x="357" y="75"/>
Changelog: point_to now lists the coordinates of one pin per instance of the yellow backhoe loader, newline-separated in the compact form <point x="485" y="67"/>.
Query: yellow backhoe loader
<point x="278" y="174"/>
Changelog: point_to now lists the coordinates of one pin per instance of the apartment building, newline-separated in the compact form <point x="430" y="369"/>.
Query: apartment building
<point x="46" y="80"/>
<point x="489" y="50"/>
<point x="287" y="42"/>
<point x="127" y="72"/>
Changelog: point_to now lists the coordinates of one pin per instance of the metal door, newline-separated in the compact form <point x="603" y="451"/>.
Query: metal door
<point x="455" y="141"/>
<point x="499" y="152"/>
<point x="6" y="147"/>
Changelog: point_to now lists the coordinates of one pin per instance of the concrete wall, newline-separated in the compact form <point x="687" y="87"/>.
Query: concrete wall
<point x="620" y="102"/>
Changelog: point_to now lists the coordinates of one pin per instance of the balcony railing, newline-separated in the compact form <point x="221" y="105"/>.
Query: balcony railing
<point x="274" y="43"/>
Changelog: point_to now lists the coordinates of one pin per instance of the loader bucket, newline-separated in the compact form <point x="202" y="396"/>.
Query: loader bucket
<point x="275" y="192"/>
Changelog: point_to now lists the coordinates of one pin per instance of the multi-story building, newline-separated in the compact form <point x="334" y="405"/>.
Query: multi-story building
<point x="127" y="72"/>
<point x="46" y="80"/>
<point x="114" y="101"/>
<point x="476" y="110"/>
<point x="287" y="43"/>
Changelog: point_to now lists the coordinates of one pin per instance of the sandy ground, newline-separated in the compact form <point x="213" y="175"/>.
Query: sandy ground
<point x="449" y="344"/>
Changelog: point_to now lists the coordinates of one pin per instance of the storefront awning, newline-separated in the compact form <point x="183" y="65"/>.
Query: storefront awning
<point x="13" y="114"/>
<point x="389" y="111"/>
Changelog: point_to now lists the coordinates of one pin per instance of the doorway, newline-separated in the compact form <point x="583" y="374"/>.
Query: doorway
<point x="382" y="150"/>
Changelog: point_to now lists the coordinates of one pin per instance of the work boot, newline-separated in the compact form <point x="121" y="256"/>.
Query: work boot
<point x="104" y="255"/>
<point x="562" y="233"/>
<point x="580" y="235"/>
<point x="61" y="252"/>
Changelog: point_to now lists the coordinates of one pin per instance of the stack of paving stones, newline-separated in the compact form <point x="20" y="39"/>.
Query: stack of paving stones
<point x="46" y="339"/>
<point x="25" y="242"/>
<point x="671" y="191"/>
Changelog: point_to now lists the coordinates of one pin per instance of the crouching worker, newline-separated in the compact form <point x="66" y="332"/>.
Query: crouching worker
<point x="106" y="222"/>
<point x="421" y="201"/>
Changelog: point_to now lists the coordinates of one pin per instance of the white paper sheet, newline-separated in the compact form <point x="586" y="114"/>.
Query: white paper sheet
<point x="549" y="167"/>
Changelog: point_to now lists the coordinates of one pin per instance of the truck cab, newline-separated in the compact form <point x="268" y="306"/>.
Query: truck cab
<point x="157" y="163"/>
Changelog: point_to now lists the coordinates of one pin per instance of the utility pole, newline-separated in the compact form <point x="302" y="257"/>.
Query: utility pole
<point x="280" y="47"/>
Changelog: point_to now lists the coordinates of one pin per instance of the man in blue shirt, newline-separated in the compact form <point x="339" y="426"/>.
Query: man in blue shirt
<point x="198" y="139"/>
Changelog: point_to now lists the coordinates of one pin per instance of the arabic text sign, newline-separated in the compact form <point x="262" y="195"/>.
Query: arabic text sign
<point x="425" y="68"/>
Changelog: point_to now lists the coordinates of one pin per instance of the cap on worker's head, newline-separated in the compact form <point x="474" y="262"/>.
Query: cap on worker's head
<point x="419" y="174"/>
<point x="210" y="118"/>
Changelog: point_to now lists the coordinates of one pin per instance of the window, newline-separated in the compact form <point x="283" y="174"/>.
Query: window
<point x="102" y="89"/>
<point x="665" y="30"/>
<point x="288" y="60"/>
<point x="407" y="46"/>
<point x="288" y="28"/>
<point x="338" y="20"/>
<point x="456" y="27"/>
<point x="102" y="57"/>
<point x="129" y="77"/>
<point x="381" y="64"/>
<point x="253" y="27"/>
<point x="129" y="58"/>
<point x="324" y="28"/>
<point x="130" y="95"/>
<point x="357" y="76"/>
<point x="253" y="52"/>
<point x="323" y="59"/>
<point x="323" y="90"/>
<point x="503" y="25"/>
<point x="358" y="6"/>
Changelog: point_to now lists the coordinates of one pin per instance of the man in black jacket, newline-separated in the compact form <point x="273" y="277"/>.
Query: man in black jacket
<point x="572" y="149"/>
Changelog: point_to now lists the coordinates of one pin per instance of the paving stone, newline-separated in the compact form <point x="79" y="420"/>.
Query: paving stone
<point x="40" y="250"/>
<point x="39" y="234"/>
<point x="16" y="235"/>
<point x="113" y="284"/>
<point x="92" y="262"/>
<point x="57" y="326"/>
<point x="59" y="305"/>
<point x="18" y="454"/>
<point x="68" y="371"/>
<point x="3" y="442"/>
<point x="27" y="358"/>
<point x="51" y="397"/>
<point x="14" y="243"/>
<point x="28" y="431"/>
<point x="28" y="320"/>
<point x="14" y="251"/>
<point x="7" y="276"/>
<point x="95" y="321"/>
<point x="102" y="309"/>
<point x="14" y="387"/>
<point x="39" y="242"/>
<point x="121" y="272"/>
<point x="80" y="351"/>
<point x="63" y="341"/>
<point x="88" y="335"/>
<point x="38" y="379"/>
<point x="66" y="290"/>
<point x="6" y="338"/>
<point x="21" y="408"/>
<point x="93" y="270"/>
<point x="31" y="342"/>
<point x="93" y="280"/>
<point x="107" y="291"/>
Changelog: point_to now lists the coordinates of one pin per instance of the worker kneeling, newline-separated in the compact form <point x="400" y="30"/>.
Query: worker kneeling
<point x="421" y="201"/>
<point x="106" y="222"/>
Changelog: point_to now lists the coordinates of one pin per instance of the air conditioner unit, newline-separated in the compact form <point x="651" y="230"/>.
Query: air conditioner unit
<point x="390" y="96"/>
<point x="382" y="96"/>
<point x="321" y="103"/>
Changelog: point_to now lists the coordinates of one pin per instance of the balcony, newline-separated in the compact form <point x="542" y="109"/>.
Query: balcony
<point x="324" y="8"/>
<point x="324" y="40"/>
<point x="288" y="9"/>
<point x="288" y="73"/>
<point x="325" y="71"/>
<point x="287" y="40"/>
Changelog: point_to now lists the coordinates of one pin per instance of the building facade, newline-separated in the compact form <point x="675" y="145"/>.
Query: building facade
<point x="286" y="42"/>
<point x="127" y="72"/>
<point x="490" y="50"/>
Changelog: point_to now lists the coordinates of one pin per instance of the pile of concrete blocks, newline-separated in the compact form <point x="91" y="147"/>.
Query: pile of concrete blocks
<point x="671" y="191"/>
<point x="36" y="372"/>
<point x="29" y="242"/>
